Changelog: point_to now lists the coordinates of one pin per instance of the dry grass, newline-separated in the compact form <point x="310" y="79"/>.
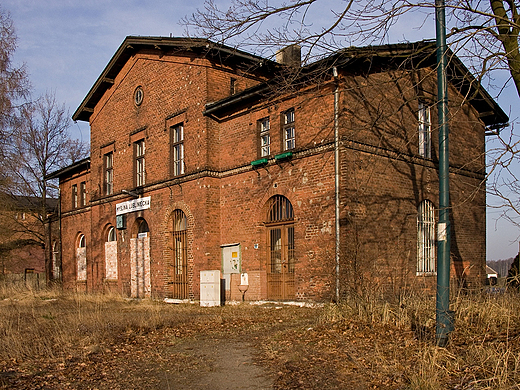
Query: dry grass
<point x="362" y="343"/>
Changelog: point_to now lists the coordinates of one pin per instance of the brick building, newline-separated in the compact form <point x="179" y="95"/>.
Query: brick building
<point x="208" y="158"/>
<point x="22" y="236"/>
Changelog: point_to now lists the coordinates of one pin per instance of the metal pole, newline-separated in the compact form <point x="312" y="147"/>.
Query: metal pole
<point x="444" y="317"/>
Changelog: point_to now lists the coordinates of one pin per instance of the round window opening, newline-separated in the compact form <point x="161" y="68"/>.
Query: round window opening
<point x="138" y="96"/>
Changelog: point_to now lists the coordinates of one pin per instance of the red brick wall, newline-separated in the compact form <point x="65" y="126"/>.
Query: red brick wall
<point x="223" y="197"/>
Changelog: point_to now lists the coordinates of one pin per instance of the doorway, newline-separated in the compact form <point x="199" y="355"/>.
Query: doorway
<point x="280" y="249"/>
<point x="140" y="283"/>
<point x="180" y="255"/>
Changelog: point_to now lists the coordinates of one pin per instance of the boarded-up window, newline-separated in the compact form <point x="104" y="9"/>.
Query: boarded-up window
<point x="81" y="259"/>
<point x="111" y="255"/>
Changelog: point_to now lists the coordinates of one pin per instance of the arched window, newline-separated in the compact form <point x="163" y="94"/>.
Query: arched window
<point x="143" y="227"/>
<point x="81" y="259"/>
<point x="180" y="255"/>
<point x="82" y="243"/>
<point x="140" y="261"/>
<point x="111" y="234"/>
<point x="426" y="238"/>
<point x="280" y="209"/>
<point x="280" y="247"/>
<point x="111" y="272"/>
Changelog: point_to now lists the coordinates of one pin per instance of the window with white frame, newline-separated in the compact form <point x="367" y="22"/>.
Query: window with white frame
<point x="75" y="201"/>
<point x="109" y="173"/>
<point x="426" y="238"/>
<point x="288" y="130"/>
<point x="265" y="137"/>
<point x="425" y="130"/>
<point x="139" y="163"/>
<point x="177" y="138"/>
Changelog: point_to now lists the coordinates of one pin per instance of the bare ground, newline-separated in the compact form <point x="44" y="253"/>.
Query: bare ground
<point x="212" y="348"/>
<point x="128" y="345"/>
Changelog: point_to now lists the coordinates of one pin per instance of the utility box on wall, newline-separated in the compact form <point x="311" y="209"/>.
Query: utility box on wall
<point x="121" y="222"/>
<point x="231" y="264"/>
<point x="210" y="288"/>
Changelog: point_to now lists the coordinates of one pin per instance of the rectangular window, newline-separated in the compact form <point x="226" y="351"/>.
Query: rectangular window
<point x="265" y="138"/>
<point x="426" y="243"/>
<point x="233" y="86"/>
<point x="425" y="128"/>
<point x="109" y="173"/>
<point x="289" y="141"/>
<point x="139" y="163"/>
<point x="177" y="152"/>
<point x="74" y="196"/>
<point x="83" y="193"/>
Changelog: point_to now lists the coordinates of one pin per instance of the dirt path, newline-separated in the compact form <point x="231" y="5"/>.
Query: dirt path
<point x="217" y="364"/>
<point x="204" y="362"/>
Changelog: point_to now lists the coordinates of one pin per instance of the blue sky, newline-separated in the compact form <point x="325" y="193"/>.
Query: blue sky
<point x="66" y="44"/>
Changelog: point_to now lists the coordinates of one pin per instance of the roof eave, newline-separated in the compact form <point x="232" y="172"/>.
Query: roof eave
<point x="78" y="165"/>
<point x="132" y="44"/>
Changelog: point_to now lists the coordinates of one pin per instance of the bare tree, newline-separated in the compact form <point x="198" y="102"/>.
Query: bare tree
<point x="485" y="33"/>
<point x="14" y="83"/>
<point x="40" y="143"/>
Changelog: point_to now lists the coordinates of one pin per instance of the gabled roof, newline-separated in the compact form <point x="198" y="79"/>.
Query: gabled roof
<point x="78" y="166"/>
<point x="353" y="60"/>
<point x="132" y="45"/>
<point x="490" y="271"/>
<point x="26" y="202"/>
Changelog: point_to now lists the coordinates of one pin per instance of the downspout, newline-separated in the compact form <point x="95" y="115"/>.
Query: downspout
<point x="60" y="263"/>
<point x="336" y="174"/>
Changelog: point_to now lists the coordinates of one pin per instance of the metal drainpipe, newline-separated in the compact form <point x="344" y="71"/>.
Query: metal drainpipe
<point x="60" y="249"/>
<point x="336" y="174"/>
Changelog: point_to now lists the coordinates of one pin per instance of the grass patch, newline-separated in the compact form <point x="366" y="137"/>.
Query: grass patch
<point x="363" y="343"/>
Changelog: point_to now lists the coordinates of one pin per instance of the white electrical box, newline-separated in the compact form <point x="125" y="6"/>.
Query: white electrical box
<point x="244" y="280"/>
<point x="210" y="288"/>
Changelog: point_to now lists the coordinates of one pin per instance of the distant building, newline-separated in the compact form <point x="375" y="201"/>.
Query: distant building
<point x="22" y="235"/>
<point x="204" y="157"/>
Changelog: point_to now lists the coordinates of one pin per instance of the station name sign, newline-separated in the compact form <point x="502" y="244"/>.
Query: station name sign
<point x="133" y="205"/>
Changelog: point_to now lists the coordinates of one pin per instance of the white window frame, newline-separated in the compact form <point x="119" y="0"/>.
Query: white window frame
<point x="265" y="137"/>
<point x="75" y="199"/>
<point x="109" y="173"/>
<point x="425" y="130"/>
<point x="289" y="136"/>
<point x="111" y="236"/>
<point x="178" y="149"/>
<point x="140" y="163"/>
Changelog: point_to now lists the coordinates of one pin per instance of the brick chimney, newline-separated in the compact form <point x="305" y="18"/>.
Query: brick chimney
<point x="290" y="55"/>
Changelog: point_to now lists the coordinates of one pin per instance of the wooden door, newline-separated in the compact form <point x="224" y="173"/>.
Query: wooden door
<point x="280" y="262"/>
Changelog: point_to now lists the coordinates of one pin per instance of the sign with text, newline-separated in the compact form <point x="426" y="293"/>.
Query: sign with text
<point x="133" y="205"/>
